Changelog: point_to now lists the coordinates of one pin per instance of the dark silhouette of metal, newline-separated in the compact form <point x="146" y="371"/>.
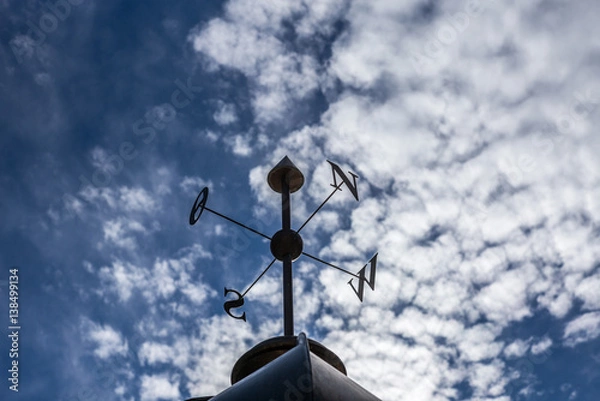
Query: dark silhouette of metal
<point x="286" y="244"/>
<point x="362" y="278"/>
<point x="236" y="303"/>
<point x="290" y="368"/>
<point x="200" y="203"/>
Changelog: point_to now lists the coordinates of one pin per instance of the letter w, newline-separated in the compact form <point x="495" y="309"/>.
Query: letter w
<point x="351" y="186"/>
<point x="362" y="279"/>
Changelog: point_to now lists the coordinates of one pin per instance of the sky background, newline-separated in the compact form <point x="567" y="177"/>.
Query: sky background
<point x="471" y="126"/>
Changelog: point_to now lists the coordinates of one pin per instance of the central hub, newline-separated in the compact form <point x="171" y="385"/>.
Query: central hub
<point x="286" y="242"/>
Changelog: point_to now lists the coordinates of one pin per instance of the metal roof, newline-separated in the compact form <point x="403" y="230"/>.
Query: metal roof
<point x="279" y="370"/>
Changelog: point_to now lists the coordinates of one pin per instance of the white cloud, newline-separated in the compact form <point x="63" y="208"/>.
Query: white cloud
<point x="119" y="232"/>
<point x="478" y="183"/>
<point x="208" y="372"/>
<point x="506" y="298"/>
<point x="97" y="195"/>
<point x="541" y="346"/>
<point x="240" y="145"/>
<point x="472" y="196"/>
<point x="43" y="79"/>
<point x="194" y="184"/>
<point x="517" y="348"/>
<point x="159" y="387"/>
<point x="226" y="114"/>
<point x="211" y="136"/>
<point x="196" y="294"/>
<point x="123" y="198"/>
<point x="122" y="277"/>
<point x="483" y="377"/>
<point x="136" y="199"/>
<point x="248" y="38"/>
<point x="583" y="328"/>
<point x="178" y="353"/>
<point x="485" y="267"/>
<point x="160" y="281"/>
<point x="477" y="343"/>
<point x="588" y="290"/>
<point x="108" y="341"/>
<point x="151" y="353"/>
<point x="23" y="47"/>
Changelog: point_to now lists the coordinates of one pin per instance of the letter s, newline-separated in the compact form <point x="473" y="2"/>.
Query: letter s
<point x="236" y="303"/>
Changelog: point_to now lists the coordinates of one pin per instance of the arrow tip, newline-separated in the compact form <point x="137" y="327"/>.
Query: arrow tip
<point x="285" y="168"/>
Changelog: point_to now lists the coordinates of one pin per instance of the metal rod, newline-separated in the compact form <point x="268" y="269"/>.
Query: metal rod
<point x="258" y="278"/>
<point x="337" y="188"/>
<point x="331" y="265"/>
<point x="238" y="223"/>
<point x="286" y="219"/>
<point x="288" y="307"/>
<point x="288" y="291"/>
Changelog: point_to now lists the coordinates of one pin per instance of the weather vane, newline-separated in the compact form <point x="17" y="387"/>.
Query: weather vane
<point x="286" y="244"/>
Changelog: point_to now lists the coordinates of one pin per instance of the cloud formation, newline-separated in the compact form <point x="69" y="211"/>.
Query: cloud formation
<point x="470" y="125"/>
<point x="473" y="123"/>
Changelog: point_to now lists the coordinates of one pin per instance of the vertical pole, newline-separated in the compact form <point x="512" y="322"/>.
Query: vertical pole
<point x="288" y="294"/>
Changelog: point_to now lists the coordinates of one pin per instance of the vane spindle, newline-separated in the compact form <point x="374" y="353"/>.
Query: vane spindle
<point x="288" y="290"/>
<point x="286" y="244"/>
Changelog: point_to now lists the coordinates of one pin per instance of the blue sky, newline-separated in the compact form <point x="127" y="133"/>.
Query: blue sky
<point x="471" y="126"/>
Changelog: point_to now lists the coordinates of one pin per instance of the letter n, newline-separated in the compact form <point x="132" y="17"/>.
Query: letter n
<point x="362" y="279"/>
<point x="335" y="169"/>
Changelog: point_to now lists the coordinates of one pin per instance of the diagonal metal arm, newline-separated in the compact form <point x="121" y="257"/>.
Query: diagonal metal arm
<point x="238" y="223"/>
<point x="331" y="265"/>
<point x="258" y="278"/>
<point x="337" y="188"/>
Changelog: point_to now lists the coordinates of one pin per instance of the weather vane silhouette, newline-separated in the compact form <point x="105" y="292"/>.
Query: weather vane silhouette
<point x="286" y="244"/>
